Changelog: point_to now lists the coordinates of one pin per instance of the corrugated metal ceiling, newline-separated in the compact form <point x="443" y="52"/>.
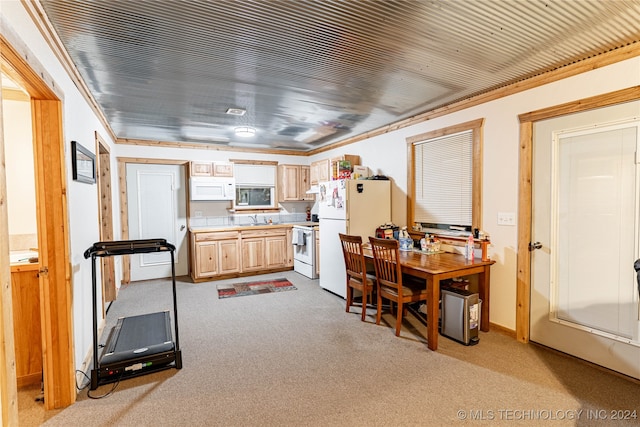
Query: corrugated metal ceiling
<point x="310" y="73"/>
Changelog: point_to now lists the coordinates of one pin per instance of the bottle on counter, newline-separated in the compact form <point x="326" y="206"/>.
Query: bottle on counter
<point x="469" y="248"/>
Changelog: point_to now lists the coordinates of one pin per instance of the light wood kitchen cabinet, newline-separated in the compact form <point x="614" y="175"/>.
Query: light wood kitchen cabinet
<point x="222" y="169"/>
<point x="275" y="255"/>
<point x="289" y="260"/>
<point x="215" y="253"/>
<point x="320" y="171"/>
<point x="243" y="251"/>
<point x="25" y="293"/>
<point x="252" y="253"/>
<point x="264" y="249"/>
<point x="200" y="168"/>
<point x="333" y="167"/>
<point x="294" y="182"/>
<point x="327" y="169"/>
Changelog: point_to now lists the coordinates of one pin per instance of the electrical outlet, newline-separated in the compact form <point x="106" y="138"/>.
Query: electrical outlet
<point x="506" y="218"/>
<point x="198" y="214"/>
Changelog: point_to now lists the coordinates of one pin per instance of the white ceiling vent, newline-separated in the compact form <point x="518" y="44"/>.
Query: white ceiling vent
<point x="236" y="111"/>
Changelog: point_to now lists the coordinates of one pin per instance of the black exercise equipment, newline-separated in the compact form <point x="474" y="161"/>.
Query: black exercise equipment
<point x="140" y="344"/>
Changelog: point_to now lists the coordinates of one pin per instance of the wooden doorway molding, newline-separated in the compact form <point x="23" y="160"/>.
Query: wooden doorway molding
<point x="53" y="234"/>
<point x="105" y="204"/>
<point x="523" y="277"/>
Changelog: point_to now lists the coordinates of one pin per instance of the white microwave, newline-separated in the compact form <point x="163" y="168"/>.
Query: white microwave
<point x="211" y="188"/>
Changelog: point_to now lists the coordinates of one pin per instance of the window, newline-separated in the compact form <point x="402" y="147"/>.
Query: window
<point x="445" y="187"/>
<point x="255" y="184"/>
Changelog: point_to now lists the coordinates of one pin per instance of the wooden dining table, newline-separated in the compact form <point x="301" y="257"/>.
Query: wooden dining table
<point x="434" y="268"/>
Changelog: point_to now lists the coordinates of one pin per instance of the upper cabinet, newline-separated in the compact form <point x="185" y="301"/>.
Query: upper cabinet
<point x="293" y="183"/>
<point x="221" y="169"/>
<point x="201" y="169"/>
<point x="335" y="162"/>
<point x="327" y="169"/>
<point x="320" y="171"/>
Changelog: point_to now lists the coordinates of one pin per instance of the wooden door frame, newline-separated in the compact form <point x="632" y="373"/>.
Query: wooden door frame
<point x="8" y="378"/>
<point x="105" y="217"/>
<point x="53" y="233"/>
<point x="124" y="204"/>
<point x="523" y="276"/>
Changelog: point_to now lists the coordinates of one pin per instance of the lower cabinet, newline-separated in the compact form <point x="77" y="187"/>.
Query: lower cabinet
<point x="275" y="255"/>
<point x="240" y="252"/>
<point x="215" y="253"/>
<point x="264" y="249"/>
<point x="252" y="254"/>
<point x="25" y="293"/>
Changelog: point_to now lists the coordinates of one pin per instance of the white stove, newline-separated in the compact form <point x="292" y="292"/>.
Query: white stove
<point x="304" y="250"/>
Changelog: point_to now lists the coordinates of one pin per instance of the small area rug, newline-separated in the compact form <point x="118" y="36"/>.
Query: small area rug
<point x="255" y="288"/>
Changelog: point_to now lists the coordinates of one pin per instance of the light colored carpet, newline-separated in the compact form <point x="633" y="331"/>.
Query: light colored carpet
<point x="297" y="359"/>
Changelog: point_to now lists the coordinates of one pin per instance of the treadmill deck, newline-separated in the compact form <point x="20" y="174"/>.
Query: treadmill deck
<point x="137" y="345"/>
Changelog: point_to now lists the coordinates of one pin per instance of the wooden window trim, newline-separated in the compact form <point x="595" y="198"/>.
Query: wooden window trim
<point x="476" y="127"/>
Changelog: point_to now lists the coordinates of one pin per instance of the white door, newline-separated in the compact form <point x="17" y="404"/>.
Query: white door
<point x="584" y="297"/>
<point x="157" y="209"/>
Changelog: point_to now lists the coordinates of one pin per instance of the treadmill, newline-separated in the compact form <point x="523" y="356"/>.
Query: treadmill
<point x="137" y="345"/>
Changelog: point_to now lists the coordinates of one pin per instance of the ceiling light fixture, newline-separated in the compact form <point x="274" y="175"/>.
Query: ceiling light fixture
<point x="245" y="131"/>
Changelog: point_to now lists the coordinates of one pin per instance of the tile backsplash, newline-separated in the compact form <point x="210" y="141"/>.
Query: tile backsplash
<point x="23" y="242"/>
<point x="245" y="219"/>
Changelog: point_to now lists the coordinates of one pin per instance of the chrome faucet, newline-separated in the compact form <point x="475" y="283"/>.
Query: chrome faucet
<point x="254" y="218"/>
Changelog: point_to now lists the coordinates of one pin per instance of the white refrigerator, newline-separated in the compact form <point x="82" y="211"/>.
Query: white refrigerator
<point x="347" y="206"/>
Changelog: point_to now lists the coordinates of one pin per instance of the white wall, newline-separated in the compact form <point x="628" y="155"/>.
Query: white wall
<point x="213" y="208"/>
<point x="21" y="187"/>
<point x="384" y="154"/>
<point x="79" y="123"/>
<point x="387" y="154"/>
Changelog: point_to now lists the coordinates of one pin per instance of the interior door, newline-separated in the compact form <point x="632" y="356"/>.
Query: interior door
<point x="584" y="298"/>
<point x="157" y="209"/>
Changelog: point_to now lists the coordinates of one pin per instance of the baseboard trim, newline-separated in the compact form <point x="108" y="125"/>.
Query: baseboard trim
<point x="503" y="330"/>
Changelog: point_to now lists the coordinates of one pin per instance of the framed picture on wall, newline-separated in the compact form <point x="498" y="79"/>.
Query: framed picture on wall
<point x="83" y="163"/>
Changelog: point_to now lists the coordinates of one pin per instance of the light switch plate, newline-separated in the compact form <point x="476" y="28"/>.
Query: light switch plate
<point x="506" y="218"/>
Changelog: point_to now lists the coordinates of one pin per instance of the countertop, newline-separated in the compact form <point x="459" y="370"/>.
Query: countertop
<point x="213" y="228"/>
<point x="19" y="261"/>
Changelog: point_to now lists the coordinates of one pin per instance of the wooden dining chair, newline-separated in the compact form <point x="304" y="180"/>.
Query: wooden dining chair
<point x="357" y="276"/>
<point x="390" y="283"/>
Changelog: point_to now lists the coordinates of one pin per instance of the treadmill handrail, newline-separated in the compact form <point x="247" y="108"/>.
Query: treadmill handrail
<point x="128" y="247"/>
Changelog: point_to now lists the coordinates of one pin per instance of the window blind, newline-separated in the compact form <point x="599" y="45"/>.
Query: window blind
<point x="255" y="175"/>
<point x="444" y="179"/>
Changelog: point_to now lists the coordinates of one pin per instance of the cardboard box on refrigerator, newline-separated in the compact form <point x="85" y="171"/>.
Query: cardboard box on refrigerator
<point x="361" y="171"/>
